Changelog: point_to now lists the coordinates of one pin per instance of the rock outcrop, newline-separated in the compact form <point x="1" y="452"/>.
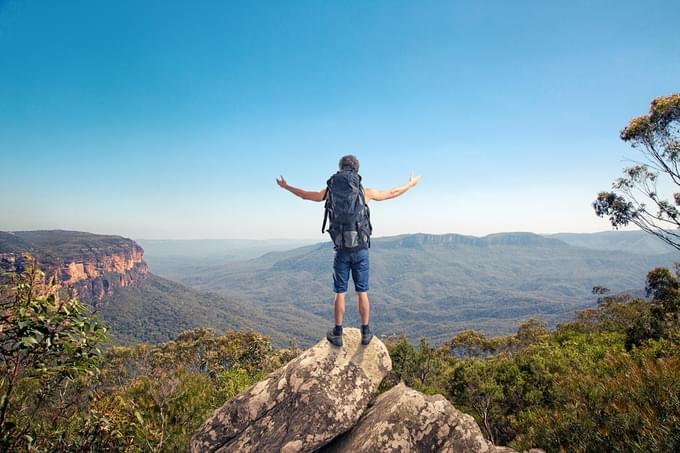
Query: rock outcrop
<point x="320" y="402"/>
<point x="302" y="406"/>
<point x="403" y="419"/>
<point x="93" y="266"/>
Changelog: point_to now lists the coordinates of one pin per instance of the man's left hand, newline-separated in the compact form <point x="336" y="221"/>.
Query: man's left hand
<point x="413" y="180"/>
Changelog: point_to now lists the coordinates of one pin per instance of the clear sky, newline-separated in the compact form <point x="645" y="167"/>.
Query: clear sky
<point x="172" y="119"/>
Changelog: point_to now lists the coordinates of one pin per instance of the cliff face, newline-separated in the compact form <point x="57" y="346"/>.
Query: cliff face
<point x="91" y="265"/>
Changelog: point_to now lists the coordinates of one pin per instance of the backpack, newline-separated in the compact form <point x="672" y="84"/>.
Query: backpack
<point x="346" y="209"/>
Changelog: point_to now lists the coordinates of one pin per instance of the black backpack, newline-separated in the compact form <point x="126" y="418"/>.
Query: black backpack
<point x="347" y="211"/>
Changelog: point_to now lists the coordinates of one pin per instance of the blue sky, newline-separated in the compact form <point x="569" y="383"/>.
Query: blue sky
<point x="172" y="120"/>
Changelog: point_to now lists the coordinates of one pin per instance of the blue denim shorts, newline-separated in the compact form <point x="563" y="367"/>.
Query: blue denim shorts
<point x="350" y="260"/>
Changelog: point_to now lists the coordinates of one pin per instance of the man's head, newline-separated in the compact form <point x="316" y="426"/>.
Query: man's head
<point x="349" y="162"/>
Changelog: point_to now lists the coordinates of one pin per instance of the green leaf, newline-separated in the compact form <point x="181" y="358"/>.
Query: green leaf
<point x="28" y="341"/>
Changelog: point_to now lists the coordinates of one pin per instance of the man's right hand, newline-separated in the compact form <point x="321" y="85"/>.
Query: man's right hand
<point x="282" y="182"/>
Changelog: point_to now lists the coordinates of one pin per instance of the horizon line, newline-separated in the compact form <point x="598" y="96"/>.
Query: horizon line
<point x="312" y="240"/>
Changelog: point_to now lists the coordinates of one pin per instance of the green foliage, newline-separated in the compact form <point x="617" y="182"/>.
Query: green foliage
<point x="616" y="313"/>
<point x="234" y="381"/>
<point x="61" y="393"/>
<point x="155" y="396"/>
<point x="576" y="388"/>
<point x="635" y="197"/>
<point x="157" y="412"/>
<point x="663" y="317"/>
<point x="469" y="344"/>
<point x="626" y="403"/>
<point x="48" y="348"/>
<point x="664" y="288"/>
<point x="424" y="368"/>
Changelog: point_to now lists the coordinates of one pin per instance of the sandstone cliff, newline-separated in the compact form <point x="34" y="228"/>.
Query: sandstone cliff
<point x="91" y="265"/>
<point x="324" y="401"/>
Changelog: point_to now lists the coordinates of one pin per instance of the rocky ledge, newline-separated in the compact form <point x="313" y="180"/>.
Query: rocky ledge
<point x="90" y="264"/>
<point x="324" y="401"/>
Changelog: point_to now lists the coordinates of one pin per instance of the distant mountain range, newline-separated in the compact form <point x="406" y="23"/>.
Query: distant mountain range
<point x="421" y="284"/>
<point x="435" y="285"/>
<point x="637" y="242"/>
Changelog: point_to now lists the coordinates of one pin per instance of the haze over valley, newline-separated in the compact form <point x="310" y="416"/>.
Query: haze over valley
<point x="436" y="285"/>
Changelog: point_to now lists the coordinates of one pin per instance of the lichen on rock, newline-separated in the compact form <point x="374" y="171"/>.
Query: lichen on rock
<point x="302" y="406"/>
<point x="405" y="420"/>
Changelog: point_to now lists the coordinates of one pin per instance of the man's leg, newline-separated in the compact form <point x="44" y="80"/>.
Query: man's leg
<point x="362" y="305"/>
<point x="339" y="308"/>
<point x="360" y="276"/>
<point x="341" y="267"/>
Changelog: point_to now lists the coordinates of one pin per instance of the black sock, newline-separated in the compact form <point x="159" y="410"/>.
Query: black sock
<point x="337" y="330"/>
<point x="364" y="328"/>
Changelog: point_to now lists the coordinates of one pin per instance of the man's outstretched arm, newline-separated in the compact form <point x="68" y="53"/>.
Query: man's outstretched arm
<point x="304" y="194"/>
<point x="380" y="195"/>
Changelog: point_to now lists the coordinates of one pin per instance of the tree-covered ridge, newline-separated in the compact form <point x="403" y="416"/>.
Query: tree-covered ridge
<point x="159" y="309"/>
<point x="421" y="284"/>
<point x="434" y="285"/>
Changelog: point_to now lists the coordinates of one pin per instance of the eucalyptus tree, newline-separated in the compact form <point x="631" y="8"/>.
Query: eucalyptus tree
<point x="647" y="194"/>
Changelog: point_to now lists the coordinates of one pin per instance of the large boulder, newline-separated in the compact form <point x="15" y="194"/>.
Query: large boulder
<point x="302" y="406"/>
<point x="405" y="420"/>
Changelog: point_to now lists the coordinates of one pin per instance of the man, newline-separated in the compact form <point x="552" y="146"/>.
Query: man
<point x="351" y="247"/>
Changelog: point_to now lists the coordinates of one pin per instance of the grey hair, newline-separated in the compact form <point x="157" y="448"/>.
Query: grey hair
<point x="349" y="162"/>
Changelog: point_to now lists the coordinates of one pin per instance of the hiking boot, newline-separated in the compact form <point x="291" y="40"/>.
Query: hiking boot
<point x="333" y="338"/>
<point x="366" y="336"/>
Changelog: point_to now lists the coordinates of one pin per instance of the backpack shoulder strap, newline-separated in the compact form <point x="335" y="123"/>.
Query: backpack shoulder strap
<point x="325" y="220"/>
<point x="327" y="196"/>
